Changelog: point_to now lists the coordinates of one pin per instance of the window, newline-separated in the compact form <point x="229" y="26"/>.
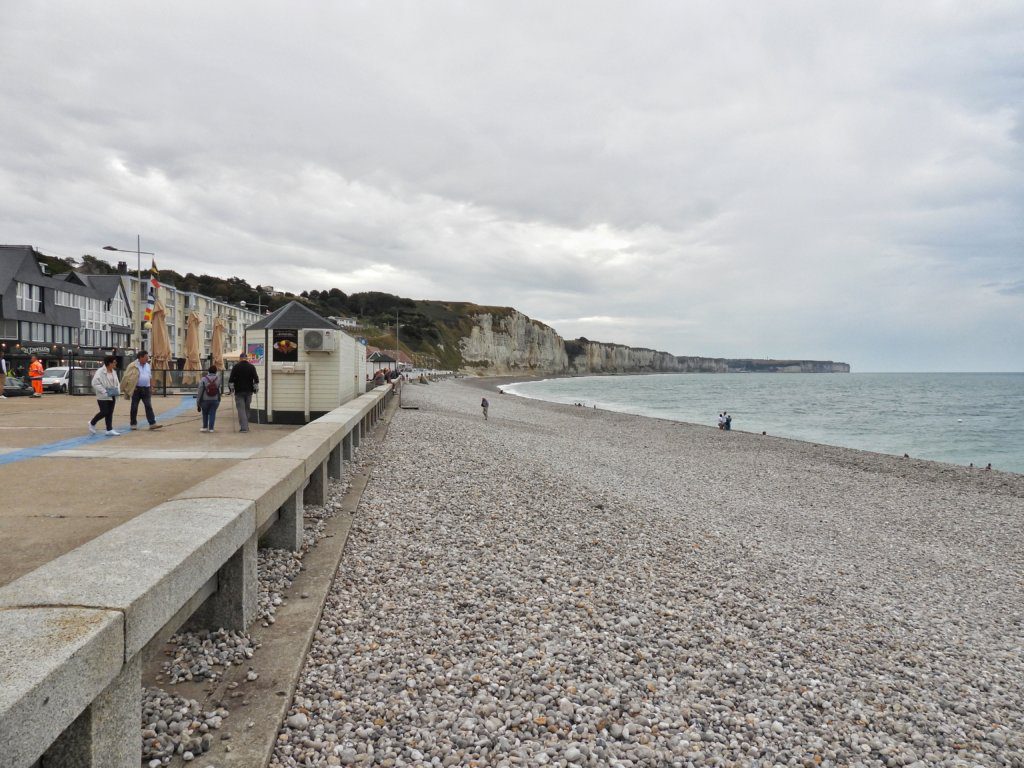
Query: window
<point x="38" y="332"/>
<point x="63" y="299"/>
<point x="119" y="311"/>
<point x="29" y="297"/>
<point x="9" y="329"/>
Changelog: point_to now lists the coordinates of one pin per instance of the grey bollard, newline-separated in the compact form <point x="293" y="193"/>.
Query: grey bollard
<point x="286" y="533"/>
<point x="234" y="604"/>
<point x="316" y="491"/>
<point x="106" y="734"/>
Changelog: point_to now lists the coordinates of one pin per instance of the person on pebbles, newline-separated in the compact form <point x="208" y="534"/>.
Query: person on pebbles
<point x="627" y="591"/>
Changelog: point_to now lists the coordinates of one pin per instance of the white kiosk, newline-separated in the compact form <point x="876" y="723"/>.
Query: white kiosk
<point x="307" y="365"/>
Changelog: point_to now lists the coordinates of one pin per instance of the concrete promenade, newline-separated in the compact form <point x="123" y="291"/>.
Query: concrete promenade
<point x="75" y="630"/>
<point x="63" y="487"/>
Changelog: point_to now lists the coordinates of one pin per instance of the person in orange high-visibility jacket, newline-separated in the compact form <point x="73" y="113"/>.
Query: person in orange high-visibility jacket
<point x="35" y="375"/>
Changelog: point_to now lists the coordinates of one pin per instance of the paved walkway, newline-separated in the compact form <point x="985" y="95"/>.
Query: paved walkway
<point x="61" y="486"/>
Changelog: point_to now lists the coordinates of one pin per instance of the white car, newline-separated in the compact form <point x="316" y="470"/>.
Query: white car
<point x="55" y="379"/>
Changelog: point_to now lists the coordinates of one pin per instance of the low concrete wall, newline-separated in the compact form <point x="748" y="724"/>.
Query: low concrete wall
<point x="72" y="631"/>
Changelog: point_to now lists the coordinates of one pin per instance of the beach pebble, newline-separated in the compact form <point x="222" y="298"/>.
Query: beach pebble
<point x="171" y="725"/>
<point x="564" y="586"/>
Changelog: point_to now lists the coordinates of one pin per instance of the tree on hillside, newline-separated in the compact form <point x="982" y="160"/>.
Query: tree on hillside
<point x="57" y="265"/>
<point x="94" y="266"/>
<point x="376" y="303"/>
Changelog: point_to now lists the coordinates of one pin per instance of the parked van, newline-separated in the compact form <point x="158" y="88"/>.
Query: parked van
<point x="55" y="379"/>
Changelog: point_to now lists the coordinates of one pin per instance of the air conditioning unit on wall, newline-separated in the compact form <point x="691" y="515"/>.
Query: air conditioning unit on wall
<point x="319" y="340"/>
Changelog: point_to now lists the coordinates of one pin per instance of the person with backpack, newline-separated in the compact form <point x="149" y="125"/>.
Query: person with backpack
<point x="208" y="398"/>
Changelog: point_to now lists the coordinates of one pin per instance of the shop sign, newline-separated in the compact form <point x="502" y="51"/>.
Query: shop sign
<point x="256" y="352"/>
<point x="286" y="346"/>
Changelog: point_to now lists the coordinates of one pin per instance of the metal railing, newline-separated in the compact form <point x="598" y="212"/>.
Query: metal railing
<point x="164" y="382"/>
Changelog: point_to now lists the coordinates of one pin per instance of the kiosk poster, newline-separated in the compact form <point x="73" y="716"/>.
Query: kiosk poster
<point x="256" y="351"/>
<point x="286" y="346"/>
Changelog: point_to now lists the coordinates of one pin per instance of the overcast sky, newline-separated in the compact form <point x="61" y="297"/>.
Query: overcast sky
<point x="791" y="179"/>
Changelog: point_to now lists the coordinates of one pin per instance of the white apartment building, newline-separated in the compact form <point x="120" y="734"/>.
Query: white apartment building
<point x="180" y="304"/>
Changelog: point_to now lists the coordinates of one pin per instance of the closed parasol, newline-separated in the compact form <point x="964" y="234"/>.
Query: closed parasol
<point x="159" y="340"/>
<point x="217" y="343"/>
<point x="193" y="356"/>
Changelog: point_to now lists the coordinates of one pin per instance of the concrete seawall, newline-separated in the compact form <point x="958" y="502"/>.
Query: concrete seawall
<point x="72" y="631"/>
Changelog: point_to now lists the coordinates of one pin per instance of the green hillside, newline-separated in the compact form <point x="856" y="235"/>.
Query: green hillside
<point x="429" y="331"/>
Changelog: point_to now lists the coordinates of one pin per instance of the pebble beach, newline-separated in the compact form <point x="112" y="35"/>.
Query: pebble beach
<point x="567" y="586"/>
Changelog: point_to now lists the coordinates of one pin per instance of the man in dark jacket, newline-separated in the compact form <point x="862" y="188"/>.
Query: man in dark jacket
<point x="242" y="382"/>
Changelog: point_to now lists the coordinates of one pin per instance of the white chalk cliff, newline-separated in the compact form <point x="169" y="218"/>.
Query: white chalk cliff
<point x="511" y="343"/>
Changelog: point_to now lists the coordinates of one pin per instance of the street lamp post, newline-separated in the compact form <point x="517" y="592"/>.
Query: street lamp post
<point x="259" y="312"/>
<point x="138" y="293"/>
<point x="259" y="306"/>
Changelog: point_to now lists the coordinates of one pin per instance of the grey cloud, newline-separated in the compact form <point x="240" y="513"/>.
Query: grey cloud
<point x="816" y="181"/>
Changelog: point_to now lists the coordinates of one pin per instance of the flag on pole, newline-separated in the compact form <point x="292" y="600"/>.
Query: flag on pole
<point x="154" y="285"/>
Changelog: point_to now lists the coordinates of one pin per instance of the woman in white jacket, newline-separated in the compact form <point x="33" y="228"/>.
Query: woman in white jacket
<point x="105" y="385"/>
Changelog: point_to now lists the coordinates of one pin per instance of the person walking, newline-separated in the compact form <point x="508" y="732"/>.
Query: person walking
<point x="3" y="378"/>
<point x="243" y="382"/>
<point x="485" y="405"/>
<point x="35" y="375"/>
<point x="138" y="384"/>
<point x="208" y="398"/>
<point x="105" y="385"/>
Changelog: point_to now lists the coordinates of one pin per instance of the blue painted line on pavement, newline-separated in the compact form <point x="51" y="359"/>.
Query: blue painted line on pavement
<point x="187" y="403"/>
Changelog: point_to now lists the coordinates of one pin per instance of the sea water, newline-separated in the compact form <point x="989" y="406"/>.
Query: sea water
<point x="959" y="418"/>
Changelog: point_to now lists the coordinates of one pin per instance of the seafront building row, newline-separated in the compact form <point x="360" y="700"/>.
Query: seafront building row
<point x="80" y="318"/>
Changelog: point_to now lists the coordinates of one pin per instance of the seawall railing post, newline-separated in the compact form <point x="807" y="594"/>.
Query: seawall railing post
<point x="316" y="491"/>
<point x="357" y="434"/>
<point x="106" y="734"/>
<point x="286" y="533"/>
<point x="334" y="463"/>
<point x="234" y="604"/>
<point x="346" y="446"/>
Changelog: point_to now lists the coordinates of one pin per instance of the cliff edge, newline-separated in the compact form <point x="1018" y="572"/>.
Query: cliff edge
<point x="508" y="343"/>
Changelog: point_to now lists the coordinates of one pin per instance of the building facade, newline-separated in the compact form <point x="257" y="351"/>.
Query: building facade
<point x="70" y="318"/>
<point x="78" y="319"/>
<point x="179" y="305"/>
